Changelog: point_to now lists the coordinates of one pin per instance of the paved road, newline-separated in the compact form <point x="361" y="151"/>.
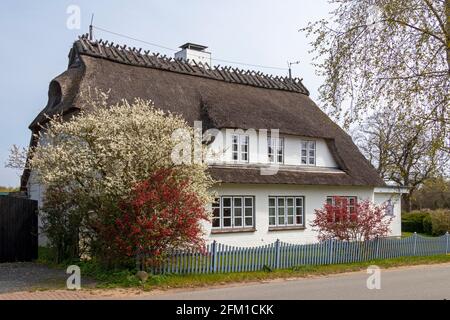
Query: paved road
<point x="422" y="282"/>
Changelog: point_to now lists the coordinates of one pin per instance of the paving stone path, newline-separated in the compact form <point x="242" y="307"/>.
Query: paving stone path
<point x="29" y="276"/>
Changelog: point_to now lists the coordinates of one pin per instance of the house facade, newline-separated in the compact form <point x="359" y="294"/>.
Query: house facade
<point x="275" y="155"/>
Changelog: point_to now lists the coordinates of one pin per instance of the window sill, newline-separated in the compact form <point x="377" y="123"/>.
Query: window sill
<point x="287" y="228"/>
<point x="232" y="230"/>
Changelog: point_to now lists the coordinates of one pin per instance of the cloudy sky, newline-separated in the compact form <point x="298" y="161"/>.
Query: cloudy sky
<point x="35" y="42"/>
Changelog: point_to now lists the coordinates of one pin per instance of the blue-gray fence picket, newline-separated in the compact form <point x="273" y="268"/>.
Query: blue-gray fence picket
<point x="217" y="257"/>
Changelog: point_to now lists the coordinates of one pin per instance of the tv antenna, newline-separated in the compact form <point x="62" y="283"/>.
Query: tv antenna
<point x="290" y="67"/>
<point x="91" y="36"/>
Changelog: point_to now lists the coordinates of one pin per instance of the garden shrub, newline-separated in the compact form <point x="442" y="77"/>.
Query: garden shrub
<point x="366" y="221"/>
<point x="413" y="221"/>
<point x="90" y="163"/>
<point x="429" y="222"/>
<point x="440" y="220"/>
<point x="160" y="214"/>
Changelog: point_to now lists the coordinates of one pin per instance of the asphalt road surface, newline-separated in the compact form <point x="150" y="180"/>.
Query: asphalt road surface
<point x="421" y="282"/>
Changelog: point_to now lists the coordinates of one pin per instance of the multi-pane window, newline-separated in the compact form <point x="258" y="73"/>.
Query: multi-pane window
<point x="233" y="212"/>
<point x="275" y="149"/>
<point x="308" y="153"/>
<point x="347" y="202"/>
<point x="239" y="147"/>
<point x="286" y="211"/>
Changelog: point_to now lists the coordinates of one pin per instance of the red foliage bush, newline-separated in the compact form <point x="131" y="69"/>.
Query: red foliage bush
<point x="365" y="222"/>
<point x="160" y="214"/>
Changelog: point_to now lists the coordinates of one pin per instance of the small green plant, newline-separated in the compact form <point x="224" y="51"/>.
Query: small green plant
<point x="109" y="278"/>
<point x="266" y="268"/>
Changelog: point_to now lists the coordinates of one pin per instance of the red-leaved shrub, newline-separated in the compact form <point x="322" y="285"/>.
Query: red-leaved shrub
<point x="161" y="214"/>
<point x="366" y="221"/>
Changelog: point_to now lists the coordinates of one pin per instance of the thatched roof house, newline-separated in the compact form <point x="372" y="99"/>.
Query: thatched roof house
<point x="319" y="161"/>
<point x="219" y="97"/>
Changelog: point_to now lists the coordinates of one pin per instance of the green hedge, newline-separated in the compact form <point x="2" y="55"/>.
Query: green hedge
<point x="434" y="223"/>
<point x="413" y="221"/>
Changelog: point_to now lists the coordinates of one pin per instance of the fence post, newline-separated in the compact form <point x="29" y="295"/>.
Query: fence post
<point x="214" y="257"/>
<point x="277" y="254"/>
<point x="415" y="243"/>
<point x="377" y="250"/>
<point x="446" y="246"/>
<point x="330" y="253"/>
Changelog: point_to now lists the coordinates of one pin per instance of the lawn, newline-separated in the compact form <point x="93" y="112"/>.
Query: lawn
<point x="409" y="234"/>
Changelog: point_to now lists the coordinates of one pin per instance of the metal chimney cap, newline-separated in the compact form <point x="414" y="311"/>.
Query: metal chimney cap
<point x="193" y="46"/>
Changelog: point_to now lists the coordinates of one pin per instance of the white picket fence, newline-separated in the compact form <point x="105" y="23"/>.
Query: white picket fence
<point x="221" y="258"/>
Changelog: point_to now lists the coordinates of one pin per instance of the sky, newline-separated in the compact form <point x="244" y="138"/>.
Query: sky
<point x="36" y="39"/>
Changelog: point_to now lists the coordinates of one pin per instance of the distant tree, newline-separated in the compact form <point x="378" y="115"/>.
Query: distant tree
<point x="384" y="54"/>
<point x="366" y="222"/>
<point x="406" y="154"/>
<point x="386" y="65"/>
<point x="8" y="189"/>
<point x="433" y="194"/>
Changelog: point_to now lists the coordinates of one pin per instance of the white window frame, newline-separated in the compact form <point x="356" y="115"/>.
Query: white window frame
<point x="298" y="202"/>
<point x="247" y="212"/>
<point x="242" y="141"/>
<point x="306" y="159"/>
<point x="275" y="150"/>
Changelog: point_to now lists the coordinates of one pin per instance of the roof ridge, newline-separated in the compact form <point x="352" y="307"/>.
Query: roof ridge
<point x="133" y="56"/>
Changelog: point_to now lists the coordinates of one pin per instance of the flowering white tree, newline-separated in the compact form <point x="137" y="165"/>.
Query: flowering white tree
<point x="93" y="161"/>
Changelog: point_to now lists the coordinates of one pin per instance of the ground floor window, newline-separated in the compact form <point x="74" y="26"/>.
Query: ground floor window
<point x="233" y="212"/>
<point x="286" y="211"/>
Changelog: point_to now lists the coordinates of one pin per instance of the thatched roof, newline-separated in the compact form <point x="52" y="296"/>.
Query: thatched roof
<point x="219" y="97"/>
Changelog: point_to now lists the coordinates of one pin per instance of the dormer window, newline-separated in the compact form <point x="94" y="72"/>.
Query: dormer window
<point x="275" y="150"/>
<point x="308" y="153"/>
<point x="54" y="94"/>
<point x="239" y="147"/>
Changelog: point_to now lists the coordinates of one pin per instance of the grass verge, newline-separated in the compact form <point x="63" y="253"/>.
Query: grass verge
<point x="127" y="278"/>
<point x="409" y="234"/>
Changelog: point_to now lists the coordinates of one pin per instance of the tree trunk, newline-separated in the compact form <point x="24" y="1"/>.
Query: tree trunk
<point x="407" y="201"/>
<point x="447" y="28"/>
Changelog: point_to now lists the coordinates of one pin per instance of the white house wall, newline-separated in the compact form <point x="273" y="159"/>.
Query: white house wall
<point x="396" y="225"/>
<point x="315" y="197"/>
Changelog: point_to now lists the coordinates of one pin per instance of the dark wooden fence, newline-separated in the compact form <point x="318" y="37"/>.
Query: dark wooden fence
<point x="18" y="229"/>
